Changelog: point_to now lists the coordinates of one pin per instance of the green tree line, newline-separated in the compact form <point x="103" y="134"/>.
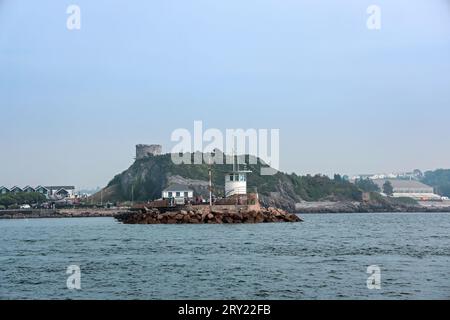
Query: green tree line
<point x="11" y="199"/>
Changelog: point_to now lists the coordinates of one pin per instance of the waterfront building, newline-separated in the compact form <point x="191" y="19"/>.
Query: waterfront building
<point x="178" y="192"/>
<point x="410" y="189"/>
<point x="16" y="189"/>
<point x="57" y="192"/>
<point x="61" y="191"/>
<point x="4" y="190"/>
<point x="42" y="190"/>
<point x="29" y="189"/>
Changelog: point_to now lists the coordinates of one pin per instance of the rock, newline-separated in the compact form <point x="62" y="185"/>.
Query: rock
<point x="172" y="214"/>
<point x="179" y="216"/>
<point x="228" y="220"/>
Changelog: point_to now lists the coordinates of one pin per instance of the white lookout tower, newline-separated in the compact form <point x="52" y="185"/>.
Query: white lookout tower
<point x="236" y="181"/>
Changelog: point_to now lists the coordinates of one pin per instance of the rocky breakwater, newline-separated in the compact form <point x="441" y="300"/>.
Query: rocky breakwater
<point x="206" y="214"/>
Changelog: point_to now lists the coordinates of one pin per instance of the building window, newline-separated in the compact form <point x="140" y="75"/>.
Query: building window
<point x="186" y="195"/>
<point x="170" y="194"/>
<point x="178" y="194"/>
<point x="231" y="177"/>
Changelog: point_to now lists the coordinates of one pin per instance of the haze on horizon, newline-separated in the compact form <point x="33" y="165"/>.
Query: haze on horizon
<point x="73" y="104"/>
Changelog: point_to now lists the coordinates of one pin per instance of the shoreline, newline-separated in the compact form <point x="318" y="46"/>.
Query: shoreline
<point x="319" y="207"/>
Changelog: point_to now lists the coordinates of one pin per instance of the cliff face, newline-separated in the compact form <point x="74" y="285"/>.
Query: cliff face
<point x="146" y="178"/>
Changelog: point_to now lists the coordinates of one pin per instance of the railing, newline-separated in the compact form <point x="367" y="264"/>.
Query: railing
<point x="236" y="191"/>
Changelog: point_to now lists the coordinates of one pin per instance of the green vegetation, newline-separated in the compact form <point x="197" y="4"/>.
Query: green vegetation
<point x="146" y="178"/>
<point x="388" y="189"/>
<point x="404" y="201"/>
<point x="13" y="200"/>
<point x="440" y="180"/>
<point x="367" y="185"/>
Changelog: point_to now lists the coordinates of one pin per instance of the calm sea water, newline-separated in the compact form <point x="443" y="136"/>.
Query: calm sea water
<point x="325" y="257"/>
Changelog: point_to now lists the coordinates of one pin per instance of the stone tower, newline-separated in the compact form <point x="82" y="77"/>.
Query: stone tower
<point x="146" y="150"/>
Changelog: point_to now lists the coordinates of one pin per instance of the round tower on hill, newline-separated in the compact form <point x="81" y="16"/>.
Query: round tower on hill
<point x="146" y="150"/>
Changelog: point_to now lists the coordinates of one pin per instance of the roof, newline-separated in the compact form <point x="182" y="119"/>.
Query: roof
<point x="60" y="187"/>
<point x="403" y="184"/>
<point x="239" y="171"/>
<point x="3" y="187"/>
<point x="178" y="187"/>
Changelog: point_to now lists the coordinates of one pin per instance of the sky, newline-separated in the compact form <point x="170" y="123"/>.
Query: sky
<point x="74" y="103"/>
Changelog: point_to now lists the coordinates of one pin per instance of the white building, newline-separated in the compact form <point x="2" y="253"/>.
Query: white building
<point x="179" y="192"/>
<point x="410" y="189"/>
<point x="61" y="191"/>
<point x="236" y="183"/>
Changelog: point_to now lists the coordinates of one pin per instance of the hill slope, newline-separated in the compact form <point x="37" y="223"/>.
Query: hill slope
<point x="146" y="178"/>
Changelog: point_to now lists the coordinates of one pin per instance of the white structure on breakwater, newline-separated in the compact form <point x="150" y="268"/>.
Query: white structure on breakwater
<point x="236" y="183"/>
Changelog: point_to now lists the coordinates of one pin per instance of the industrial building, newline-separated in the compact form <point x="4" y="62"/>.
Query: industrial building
<point x="410" y="189"/>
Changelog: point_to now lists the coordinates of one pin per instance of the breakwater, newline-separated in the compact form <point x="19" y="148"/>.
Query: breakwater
<point x="210" y="215"/>
<point x="62" y="213"/>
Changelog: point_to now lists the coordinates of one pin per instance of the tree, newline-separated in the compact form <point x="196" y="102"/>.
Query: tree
<point x="388" y="189"/>
<point x="367" y="185"/>
<point x="10" y="199"/>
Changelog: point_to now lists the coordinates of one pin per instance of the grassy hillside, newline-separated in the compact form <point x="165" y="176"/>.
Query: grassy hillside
<point x="440" y="180"/>
<point x="146" y="179"/>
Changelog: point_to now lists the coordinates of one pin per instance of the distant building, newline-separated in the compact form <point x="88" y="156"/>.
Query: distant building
<point x="42" y="190"/>
<point x="61" y="191"/>
<point x="16" y="189"/>
<point x="410" y="189"/>
<point x="4" y="190"/>
<point x="29" y="189"/>
<point x="179" y="192"/>
<point x="147" y="150"/>
<point x="58" y="192"/>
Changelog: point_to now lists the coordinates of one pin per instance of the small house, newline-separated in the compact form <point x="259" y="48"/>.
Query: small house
<point x="29" y="189"/>
<point x="61" y="191"/>
<point x="42" y="190"/>
<point x="16" y="189"/>
<point x="4" y="190"/>
<point x="236" y="183"/>
<point x="179" y="192"/>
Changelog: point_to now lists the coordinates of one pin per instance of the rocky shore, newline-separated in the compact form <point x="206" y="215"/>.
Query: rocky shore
<point x="63" y="213"/>
<point x="366" y="207"/>
<point x="207" y="215"/>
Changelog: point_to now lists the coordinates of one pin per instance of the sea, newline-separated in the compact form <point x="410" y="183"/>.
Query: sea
<point x="328" y="256"/>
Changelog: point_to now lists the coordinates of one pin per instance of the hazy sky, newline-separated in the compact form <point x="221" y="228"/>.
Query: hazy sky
<point x="73" y="104"/>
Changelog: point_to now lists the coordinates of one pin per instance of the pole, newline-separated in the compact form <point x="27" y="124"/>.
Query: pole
<point x="132" y="194"/>
<point x="210" y="183"/>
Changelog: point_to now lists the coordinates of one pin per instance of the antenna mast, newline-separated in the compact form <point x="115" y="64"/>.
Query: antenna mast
<point x="210" y="182"/>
